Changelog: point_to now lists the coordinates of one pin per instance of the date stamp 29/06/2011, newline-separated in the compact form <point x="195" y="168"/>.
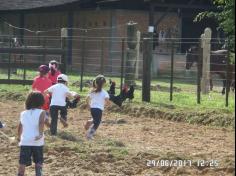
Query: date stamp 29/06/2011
<point x="182" y="163"/>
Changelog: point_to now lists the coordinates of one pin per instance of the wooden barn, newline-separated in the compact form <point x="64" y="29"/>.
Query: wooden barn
<point x="107" y="20"/>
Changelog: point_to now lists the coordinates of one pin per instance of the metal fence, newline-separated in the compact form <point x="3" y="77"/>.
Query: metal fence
<point x="89" y="56"/>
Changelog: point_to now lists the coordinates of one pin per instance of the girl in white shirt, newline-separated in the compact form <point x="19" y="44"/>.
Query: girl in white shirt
<point x="30" y="133"/>
<point x="96" y="100"/>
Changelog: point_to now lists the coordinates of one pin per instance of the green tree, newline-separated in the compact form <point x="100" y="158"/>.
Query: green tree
<point x="225" y="17"/>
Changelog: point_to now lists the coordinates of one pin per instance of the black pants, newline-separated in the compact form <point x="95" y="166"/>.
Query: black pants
<point x="54" y="112"/>
<point x="97" y="117"/>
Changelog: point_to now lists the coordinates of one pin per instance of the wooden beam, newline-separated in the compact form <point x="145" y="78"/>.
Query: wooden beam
<point x="42" y="51"/>
<point x="15" y="81"/>
<point x="185" y="6"/>
<point x="23" y="65"/>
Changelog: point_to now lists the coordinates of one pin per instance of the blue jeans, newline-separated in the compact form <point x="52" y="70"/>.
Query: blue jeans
<point x="97" y="118"/>
<point x="54" y="113"/>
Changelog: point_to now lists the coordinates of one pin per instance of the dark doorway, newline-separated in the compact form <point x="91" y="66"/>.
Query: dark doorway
<point x="191" y="32"/>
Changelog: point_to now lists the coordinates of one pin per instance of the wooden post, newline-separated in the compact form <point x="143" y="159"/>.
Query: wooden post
<point x="82" y="65"/>
<point x="70" y="20"/>
<point x="138" y="55"/>
<point x="44" y="46"/>
<point x="206" y="45"/>
<point x="64" y="35"/>
<point x="102" y="58"/>
<point x="172" y="71"/>
<point x="9" y="60"/>
<point x="24" y="74"/>
<point x="147" y="58"/>
<point x="131" y="53"/>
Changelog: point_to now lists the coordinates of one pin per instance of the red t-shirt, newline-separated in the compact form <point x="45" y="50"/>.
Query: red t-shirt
<point x="53" y="78"/>
<point x="41" y="84"/>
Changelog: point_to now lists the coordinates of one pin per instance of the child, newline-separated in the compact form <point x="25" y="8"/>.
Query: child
<point x="59" y="93"/>
<point x="1" y="125"/>
<point x="96" y="99"/>
<point x="30" y="133"/>
<point x="42" y="83"/>
<point x="54" y="71"/>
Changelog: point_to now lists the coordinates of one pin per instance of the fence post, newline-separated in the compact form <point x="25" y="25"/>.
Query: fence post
<point x="64" y="35"/>
<point x="131" y="53"/>
<point x="102" y="57"/>
<point x="147" y="58"/>
<point x="82" y="65"/>
<point x="206" y="45"/>
<point x="172" y="71"/>
<point x="44" y="46"/>
<point x="9" y="61"/>
<point x="228" y="80"/>
<point x="138" y="55"/>
<point x="122" y="63"/>
<point x="199" y="72"/>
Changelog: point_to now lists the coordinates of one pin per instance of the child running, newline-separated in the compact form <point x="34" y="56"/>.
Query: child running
<point x="96" y="101"/>
<point x="59" y="93"/>
<point x="31" y="134"/>
<point x="42" y="83"/>
<point x="54" y="71"/>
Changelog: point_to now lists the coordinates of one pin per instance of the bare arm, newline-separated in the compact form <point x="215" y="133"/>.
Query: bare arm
<point x="19" y="131"/>
<point x="41" y="125"/>
<point x="46" y="92"/>
<point x="108" y="102"/>
<point x="88" y="101"/>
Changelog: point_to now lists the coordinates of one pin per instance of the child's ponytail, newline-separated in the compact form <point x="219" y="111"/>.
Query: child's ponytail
<point x="98" y="83"/>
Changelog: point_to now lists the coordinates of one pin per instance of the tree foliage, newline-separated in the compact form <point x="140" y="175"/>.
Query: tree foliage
<point x="225" y="16"/>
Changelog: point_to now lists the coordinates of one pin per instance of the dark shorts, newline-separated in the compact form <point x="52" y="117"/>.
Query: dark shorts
<point x="29" y="152"/>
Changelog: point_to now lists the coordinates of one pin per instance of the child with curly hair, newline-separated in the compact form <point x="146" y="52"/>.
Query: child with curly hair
<point x="31" y="134"/>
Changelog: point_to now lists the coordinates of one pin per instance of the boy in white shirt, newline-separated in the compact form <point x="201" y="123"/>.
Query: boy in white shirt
<point x="59" y="93"/>
<point x="97" y="99"/>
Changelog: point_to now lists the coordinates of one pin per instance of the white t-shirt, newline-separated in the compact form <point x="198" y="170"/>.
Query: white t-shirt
<point x="29" y="120"/>
<point x="59" y="93"/>
<point x="98" y="99"/>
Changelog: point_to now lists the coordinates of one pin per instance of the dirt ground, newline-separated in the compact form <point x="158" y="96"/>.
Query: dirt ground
<point x="122" y="146"/>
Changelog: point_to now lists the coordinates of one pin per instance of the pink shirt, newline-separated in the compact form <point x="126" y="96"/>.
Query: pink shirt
<point x="41" y="84"/>
<point x="53" y="78"/>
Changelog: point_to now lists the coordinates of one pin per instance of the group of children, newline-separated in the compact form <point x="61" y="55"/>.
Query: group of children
<point x="50" y="96"/>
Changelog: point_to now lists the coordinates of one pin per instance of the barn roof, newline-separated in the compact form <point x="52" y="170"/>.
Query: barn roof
<point x="18" y="5"/>
<point x="32" y="4"/>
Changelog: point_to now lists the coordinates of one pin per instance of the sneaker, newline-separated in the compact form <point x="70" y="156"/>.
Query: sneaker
<point x="2" y="125"/>
<point x="64" y="123"/>
<point x="88" y="124"/>
<point x="90" y="134"/>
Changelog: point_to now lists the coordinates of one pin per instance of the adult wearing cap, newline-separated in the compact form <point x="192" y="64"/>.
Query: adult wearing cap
<point x="54" y="71"/>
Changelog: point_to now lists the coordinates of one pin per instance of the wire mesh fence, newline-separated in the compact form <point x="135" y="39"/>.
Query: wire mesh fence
<point x="174" y="75"/>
